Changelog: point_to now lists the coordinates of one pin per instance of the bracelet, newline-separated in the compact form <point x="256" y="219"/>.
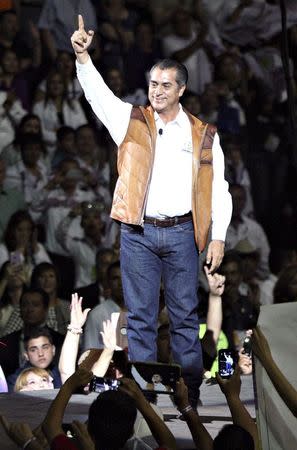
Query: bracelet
<point x="74" y="330"/>
<point x="186" y="409"/>
<point x="28" y="442"/>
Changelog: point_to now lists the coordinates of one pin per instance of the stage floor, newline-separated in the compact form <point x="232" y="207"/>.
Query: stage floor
<point x="31" y="407"/>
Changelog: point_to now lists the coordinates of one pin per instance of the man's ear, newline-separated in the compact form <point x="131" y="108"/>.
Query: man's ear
<point x="26" y="356"/>
<point x="54" y="350"/>
<point x="182" y="90"/>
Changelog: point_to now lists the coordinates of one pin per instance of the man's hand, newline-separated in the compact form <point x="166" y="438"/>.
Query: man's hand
<point x="215" y="253"/>
<point x="216" y="282"/>
<point x="81" y="41"/>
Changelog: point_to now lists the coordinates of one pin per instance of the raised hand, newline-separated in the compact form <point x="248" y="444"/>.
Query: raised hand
<point x="81" y="39"/>
<point x="109" y="333"/>
<point x="78" y="317"/>
<point x="216" y="282"/>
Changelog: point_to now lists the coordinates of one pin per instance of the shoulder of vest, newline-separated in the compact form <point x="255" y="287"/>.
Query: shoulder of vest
<point x="137" y="114"/>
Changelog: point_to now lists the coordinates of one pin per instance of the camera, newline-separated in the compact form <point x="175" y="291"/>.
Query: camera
<point x="101" y="384"/>
<point x="227" y="361"/>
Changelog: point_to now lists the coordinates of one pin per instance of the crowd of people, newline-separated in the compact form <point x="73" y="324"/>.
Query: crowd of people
<point x="58" y="170"/>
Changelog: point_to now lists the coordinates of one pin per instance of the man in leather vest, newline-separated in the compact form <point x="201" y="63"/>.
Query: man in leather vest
<point x="170" y="192"/>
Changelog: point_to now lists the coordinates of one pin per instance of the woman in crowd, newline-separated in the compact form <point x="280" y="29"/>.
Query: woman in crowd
<point x="20" y="245"/>
<point x="66" y="67"/>
<point x="30" y="124"/>
<point x="12" y="284"/>
<point x="57" y="110"/>
<point x="45" y="276"/>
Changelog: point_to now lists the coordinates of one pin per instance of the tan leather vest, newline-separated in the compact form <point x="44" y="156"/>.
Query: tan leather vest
<point x="135" y="162"/>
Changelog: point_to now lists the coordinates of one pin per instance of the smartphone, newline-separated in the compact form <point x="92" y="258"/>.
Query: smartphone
<point x="16" y="258"/>
<point x="161" y="377"/>
<point x="227" y="362"/>
<point x="247" y="346"/>
<point x="101" y="384"/>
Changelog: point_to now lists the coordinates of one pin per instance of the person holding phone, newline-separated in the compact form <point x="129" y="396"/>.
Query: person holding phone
<point x="171" y="191"/>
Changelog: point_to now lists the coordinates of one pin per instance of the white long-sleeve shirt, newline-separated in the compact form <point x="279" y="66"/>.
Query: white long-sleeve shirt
<point x="171" y="182"/>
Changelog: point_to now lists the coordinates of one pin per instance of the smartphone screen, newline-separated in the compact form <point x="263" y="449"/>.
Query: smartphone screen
<point x="101" y="384"/>
<point x="159" y="377"/>
<point x="226" y="363"/>
<point x="15" y="258"/>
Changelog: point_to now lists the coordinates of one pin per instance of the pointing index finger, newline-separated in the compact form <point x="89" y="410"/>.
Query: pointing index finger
<point x="81" y="25"/>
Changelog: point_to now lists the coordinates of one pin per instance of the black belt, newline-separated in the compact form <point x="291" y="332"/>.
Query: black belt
<point x="169" y="221"/>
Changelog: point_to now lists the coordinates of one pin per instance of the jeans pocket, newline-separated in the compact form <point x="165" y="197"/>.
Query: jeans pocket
<point x="186" y="227"/>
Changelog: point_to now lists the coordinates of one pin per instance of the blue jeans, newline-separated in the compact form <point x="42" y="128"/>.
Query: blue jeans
<point x="147" y="255"/>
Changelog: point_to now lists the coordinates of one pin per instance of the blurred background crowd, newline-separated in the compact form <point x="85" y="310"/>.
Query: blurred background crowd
<point x="58" y="162"/>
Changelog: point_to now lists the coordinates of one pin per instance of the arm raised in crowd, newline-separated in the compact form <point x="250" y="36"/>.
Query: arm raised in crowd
<point x="52" y="424"/>
<point x="78" y="317"/>
<point x="159" y="430"/>
<point x="286" y="391"/>
<point x="231" y="389"/>
<point x="200" y="435"/>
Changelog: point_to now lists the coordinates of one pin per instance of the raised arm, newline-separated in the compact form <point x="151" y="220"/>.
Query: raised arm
<point x="240" y="415"/>
<point x="78" y="317"/>
<point x="286" y="391"/>
<point x="200" y="435"/>
<point x="52" y="424"/>
<point x="159" y="430"/>
<point x="110" y="341"/>
<point x="81" y="41"/>
<point x="214" y="319"/>
<point x="112" y="111"/>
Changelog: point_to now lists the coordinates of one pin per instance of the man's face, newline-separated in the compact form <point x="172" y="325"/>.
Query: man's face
<point x="40" y="352"/>
<point x="33" y="311"/>
<point x="164" y="92"/>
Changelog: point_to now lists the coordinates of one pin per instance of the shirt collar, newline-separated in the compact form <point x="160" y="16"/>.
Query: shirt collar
<point x="181" y="118"/>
